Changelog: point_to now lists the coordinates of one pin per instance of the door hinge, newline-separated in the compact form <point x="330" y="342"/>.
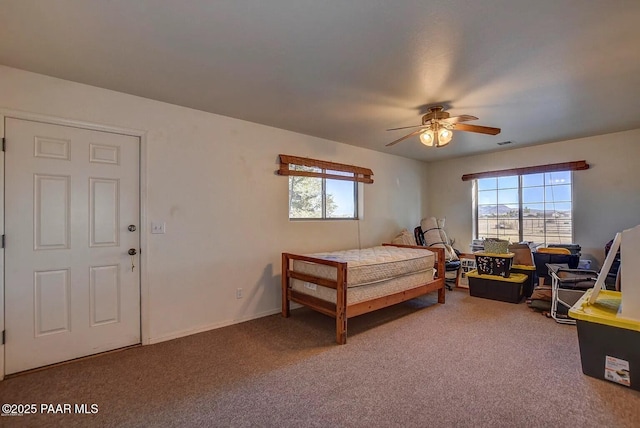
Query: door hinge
<point x="4" y="144"/>
<point x="2" y="241"/>
<point x="3" y="337"/>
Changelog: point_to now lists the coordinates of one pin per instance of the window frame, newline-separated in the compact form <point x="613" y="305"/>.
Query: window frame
<point x="521" y="203"/>
<point x="314" y="168"/>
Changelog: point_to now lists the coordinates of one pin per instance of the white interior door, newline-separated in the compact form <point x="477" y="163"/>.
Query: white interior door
<point x="70" y="288"/>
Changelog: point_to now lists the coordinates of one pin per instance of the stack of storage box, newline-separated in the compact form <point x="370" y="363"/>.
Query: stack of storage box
<point x="494" y="279"/>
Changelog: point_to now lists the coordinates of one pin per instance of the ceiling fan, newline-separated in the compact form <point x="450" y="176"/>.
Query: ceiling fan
<point x="437" y="126"/>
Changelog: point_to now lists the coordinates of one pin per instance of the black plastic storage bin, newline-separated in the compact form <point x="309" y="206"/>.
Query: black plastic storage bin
<point x="574" y="248"/>
<point x="609" y="344"/>
<point x="494" y="264"/>
<point x="530" y="283"/>
<point x="496" y="287"/>
<point x="542" y="259"/>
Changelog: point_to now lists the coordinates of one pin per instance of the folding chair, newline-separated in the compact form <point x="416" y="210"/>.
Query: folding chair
<point x="582" y="280"/>
<point x="567" y="286"/>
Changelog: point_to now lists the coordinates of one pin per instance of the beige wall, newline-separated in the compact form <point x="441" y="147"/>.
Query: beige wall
<point x="211" y="179"/>
<point x="606" y="196"/>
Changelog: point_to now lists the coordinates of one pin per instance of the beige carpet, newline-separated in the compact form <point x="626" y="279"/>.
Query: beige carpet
<point x="469" y="363"/>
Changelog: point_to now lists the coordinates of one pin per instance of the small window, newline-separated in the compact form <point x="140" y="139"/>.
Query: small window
<point x="322" y="198"/>
<point x="322" y="190"/>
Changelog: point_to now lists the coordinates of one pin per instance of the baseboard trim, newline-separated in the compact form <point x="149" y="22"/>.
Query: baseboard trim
<point x="201" y="329"/>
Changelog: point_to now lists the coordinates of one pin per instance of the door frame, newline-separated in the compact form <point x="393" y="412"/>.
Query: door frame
<point x="142" y="135"/>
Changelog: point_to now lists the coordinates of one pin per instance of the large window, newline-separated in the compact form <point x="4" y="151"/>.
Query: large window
<point x="531" y="207"/>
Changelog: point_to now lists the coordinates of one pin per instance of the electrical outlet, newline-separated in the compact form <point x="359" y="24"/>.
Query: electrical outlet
<point x="239" y="293"/>
<point x="158" y="227"/>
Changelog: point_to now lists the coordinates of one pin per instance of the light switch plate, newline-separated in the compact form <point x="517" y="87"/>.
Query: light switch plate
<point x="158" y="227"/>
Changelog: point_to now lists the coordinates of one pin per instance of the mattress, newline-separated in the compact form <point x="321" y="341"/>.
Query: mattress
<point x="366" y="292"/>
<point x="370" y="265"/>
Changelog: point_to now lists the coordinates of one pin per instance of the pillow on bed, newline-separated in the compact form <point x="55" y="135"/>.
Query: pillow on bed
<point x="404" y="238"/>
<point x="435" y="236"/>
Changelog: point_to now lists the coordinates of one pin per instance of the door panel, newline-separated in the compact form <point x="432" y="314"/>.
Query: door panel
<point x="105" y="294"/>
<point x="51" y="211"/>
<point x="69" y="284"/>
<point x="52" y="302"/>
<point x="104" y="201"/>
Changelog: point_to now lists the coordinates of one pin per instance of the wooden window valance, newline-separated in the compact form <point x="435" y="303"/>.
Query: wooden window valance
<point x="362" y="175"/>
<point x="553" y="167"/>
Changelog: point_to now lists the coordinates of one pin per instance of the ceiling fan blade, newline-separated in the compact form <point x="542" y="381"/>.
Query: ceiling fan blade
<point x="417" y="131"/>
<point x="406" y="127"/>
<point x="476" y="128"/>
<point x="458" y="119"/>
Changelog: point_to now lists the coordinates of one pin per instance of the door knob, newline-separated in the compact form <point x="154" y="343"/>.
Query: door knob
<point x="132" y="251"/>
<point x="132" y="228"/>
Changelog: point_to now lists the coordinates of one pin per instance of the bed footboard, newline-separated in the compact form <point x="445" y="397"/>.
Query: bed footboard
<point x="338" y="311"/>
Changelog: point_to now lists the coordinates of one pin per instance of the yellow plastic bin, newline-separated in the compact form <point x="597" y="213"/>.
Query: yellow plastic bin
<point x="496" y="287"/>
<point x="609" y="344"/>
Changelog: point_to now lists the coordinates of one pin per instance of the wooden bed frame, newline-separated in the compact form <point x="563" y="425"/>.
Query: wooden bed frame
<point x="341" y="311"/>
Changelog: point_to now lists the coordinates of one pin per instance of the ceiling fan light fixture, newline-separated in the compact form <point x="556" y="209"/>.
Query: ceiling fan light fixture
<point x="436" y="136"/>
<point x="444" y="137"/>
<point x="427" y="137"/>
<point x="437" y="128"/>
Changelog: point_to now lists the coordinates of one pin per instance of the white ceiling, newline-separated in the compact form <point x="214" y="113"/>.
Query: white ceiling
<point x="346" y="70"/>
